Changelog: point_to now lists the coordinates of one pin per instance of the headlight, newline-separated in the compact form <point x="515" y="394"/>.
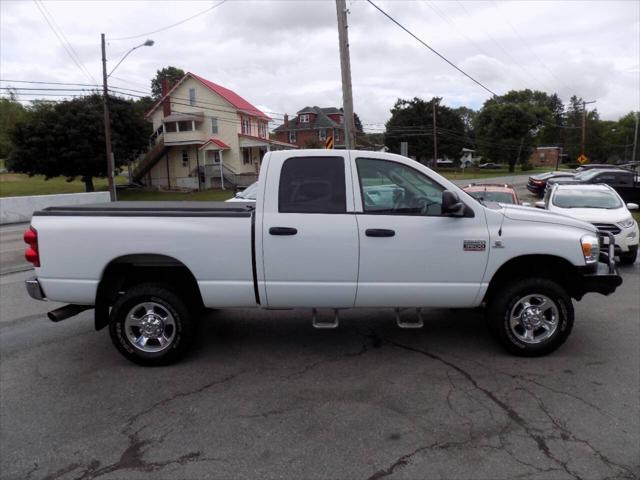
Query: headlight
<point x="628" y="223"/>
<point x="590" y="248"/>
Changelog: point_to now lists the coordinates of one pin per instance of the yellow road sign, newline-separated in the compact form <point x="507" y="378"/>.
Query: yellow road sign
<point x="328" y="142"/>
<point x="582" y="159"/>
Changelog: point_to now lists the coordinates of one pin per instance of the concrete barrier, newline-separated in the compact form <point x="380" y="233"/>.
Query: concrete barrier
<point x="20" y="209"/>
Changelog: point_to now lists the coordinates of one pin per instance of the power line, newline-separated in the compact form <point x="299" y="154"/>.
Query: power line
<point x="51" y="83"/>
<point x="173" y="24"/>
<point x="432" y="49"/>
<point x="63" y="39"/>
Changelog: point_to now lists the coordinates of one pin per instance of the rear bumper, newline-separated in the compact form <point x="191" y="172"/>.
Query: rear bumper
<point x="536" y="189"/>
<point x="34" y="289"/>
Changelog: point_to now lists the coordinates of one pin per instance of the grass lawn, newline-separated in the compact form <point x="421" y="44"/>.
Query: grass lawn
<point x="636" y="215"/>
<point x="19" y="185"/>
<point x="143" y="194"/>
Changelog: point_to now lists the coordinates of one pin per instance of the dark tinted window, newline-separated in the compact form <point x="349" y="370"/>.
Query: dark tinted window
<point x="312" y="185"/>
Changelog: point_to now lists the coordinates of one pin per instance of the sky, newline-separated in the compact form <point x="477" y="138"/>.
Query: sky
<point x="283" y="55"/>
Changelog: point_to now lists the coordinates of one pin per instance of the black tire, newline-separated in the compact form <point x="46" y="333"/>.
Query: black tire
<point x="629" y="257"/>
<point x="166" y="301"/>
<point x="508" y="296"/>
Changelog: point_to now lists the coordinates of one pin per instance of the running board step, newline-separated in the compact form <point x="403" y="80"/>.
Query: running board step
<point x="322" y="324"/>
<point x="419" y="323"/>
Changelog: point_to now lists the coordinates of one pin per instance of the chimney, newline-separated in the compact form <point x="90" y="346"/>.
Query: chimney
<point x="286" y="121"/>
<point x="166" y="103"/>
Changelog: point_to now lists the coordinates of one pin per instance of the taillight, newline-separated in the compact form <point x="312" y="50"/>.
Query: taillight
<point x="31" y="253"/>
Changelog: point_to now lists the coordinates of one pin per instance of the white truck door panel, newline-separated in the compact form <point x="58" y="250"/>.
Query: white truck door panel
<point x="423" y="264"/>
<point x="411" y="255"/>
<point x="309" y="238"/>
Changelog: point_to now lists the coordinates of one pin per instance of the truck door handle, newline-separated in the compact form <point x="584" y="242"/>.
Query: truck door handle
<point x="283" y="231"/>
<point x="379" y="232"/>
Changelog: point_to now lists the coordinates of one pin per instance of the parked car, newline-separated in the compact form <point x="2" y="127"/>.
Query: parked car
<point x="492" y="192"/>
<point x="317" y="238"/>
<point x="489" y="165"/>
<point x="602" y="206"/>
<point x="537" y="183"/>
<point x="246" y="195"/>
<point x="444" y="163"/>
<point x="625" y="182"/>
<point x="591" y="166"/>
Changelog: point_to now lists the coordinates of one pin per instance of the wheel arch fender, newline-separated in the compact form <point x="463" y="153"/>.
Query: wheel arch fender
<point x="127" y="270"/>
<point x="548" y="266"/>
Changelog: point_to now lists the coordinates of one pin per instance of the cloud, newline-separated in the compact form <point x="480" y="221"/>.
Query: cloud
<point x="283" y="55"/>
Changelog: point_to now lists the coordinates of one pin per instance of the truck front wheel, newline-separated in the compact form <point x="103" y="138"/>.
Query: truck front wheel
<point x="530" y="317"/>
<point x="151" y="325"/>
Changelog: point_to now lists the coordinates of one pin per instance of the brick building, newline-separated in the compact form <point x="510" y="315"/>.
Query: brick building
<point x="545" y="157"/>
<point x="311" y="127"/>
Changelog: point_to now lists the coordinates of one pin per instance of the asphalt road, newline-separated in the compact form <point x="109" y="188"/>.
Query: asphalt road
<point x="267" y="396"/>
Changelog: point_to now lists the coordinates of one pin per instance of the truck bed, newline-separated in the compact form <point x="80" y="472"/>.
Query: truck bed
<point x="151" y="209"/>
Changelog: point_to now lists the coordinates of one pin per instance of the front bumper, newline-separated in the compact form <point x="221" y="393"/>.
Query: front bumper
<point x="603" y="280"/>
<point x="34" y="289"/>
<point x="603" y="276"/>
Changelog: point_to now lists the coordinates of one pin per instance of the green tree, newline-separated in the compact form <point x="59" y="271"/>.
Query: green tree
<point x="67" y="138"/>
<point x="509" y="126"/>
<point x="11" y="112"/>
<point x="412" y="121"/>
<point x="170" y="74"/>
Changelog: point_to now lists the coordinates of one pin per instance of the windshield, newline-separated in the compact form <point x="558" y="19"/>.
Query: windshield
<point x="586" y="199"/>
<point x="587" y="174"/>
<point x="501" y="197"/>
<point x="249" y="193"/>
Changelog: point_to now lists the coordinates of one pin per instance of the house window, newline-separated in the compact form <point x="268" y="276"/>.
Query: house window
<point x="185" y="126"/>
<point x="170" y="127"/>
<point x="322" y="134"/>
<point x="192" y="96"/>
<point x="246" y="156"/>
<point x="214" y="125"/>
<point x="304" y="118"/>
<point x="337" y="135"/>
<point x="292" y="137"/>
<point x="246" y="126"/>
<point x="262" y="130"/>
<point x="185" y="158"/>
<point x="212" y="158"/>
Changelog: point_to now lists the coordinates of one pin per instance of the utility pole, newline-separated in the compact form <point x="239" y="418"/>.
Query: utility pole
<point x="345" y="67"/>
<point x="107" y="122"/>
<point x="635" y="140"/>
<point x="435" y="137"/>
<point x="584" y="123"/>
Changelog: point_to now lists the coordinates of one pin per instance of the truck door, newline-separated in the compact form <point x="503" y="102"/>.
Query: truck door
<point x="309" y="232"/>
<point x="410" y="254"/>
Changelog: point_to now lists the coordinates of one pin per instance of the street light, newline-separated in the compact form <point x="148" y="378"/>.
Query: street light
<point x="107" y="120"/>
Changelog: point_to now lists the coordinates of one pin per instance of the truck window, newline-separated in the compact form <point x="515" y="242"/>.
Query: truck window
<point x="312" y="185"/>
<point x="393" y="188"/>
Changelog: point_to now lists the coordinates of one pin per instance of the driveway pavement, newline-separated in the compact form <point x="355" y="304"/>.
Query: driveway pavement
<point x="267" y="396"/>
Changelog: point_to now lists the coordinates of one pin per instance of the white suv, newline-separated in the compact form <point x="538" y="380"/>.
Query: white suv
<point x="602" y="206"/>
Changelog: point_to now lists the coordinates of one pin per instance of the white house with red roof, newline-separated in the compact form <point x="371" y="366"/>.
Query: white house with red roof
<point x="205" y="136"/>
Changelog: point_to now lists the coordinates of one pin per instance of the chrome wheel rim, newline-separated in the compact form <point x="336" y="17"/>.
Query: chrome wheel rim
<point x="534" y="318"/>
<point x="150" y="327"/>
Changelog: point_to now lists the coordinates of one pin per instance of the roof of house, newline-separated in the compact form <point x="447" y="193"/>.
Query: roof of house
<point x="230" y="96"/>
<point x="321" y="119"/>
<point x="217" y="142"/>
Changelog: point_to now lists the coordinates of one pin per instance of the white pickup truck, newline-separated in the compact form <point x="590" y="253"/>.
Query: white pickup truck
<point x="330" y="229"/>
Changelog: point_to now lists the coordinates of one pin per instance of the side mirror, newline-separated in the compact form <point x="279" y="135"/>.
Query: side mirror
<point x="633" y="206"/>
<point x="525" y="204"/>
<point x="451" y="204"/>
<point x="540" y="205"/>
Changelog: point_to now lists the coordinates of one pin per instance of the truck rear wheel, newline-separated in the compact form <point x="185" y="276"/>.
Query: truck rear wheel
<point x="531" y="317"/>
<point x="151" y="325"/>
